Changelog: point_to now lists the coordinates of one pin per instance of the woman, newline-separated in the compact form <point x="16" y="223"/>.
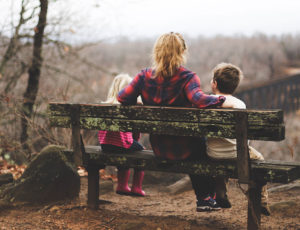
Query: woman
<point x="168" y="83"/>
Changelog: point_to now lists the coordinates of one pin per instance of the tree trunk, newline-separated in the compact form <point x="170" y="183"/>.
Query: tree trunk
<point x="34" y="74"/>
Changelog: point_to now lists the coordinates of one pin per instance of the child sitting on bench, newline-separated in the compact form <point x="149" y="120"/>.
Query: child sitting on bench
<point x="119" y="142"/>
<point x="226" y="78"/>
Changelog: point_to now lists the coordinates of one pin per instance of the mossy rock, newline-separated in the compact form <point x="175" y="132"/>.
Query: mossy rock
<point x="49" y="177"/>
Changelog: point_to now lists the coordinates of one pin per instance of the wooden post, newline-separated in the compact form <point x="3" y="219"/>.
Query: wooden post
<point x="85" y="156"/>
<point x="93" y="186"/>
<point x="243" y="160"/>
<point x="254" y="206"/>
<point x="75" y="116"/>
<point x="244" y="171"/>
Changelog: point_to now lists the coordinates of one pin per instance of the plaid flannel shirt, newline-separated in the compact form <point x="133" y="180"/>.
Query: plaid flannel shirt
<point x="182" y="89"/>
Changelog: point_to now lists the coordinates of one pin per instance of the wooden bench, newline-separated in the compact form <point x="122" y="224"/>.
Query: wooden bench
<point x="242" y="125"/>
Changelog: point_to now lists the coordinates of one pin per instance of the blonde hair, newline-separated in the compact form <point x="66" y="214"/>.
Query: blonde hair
<point x="168" y="54"/>
<point x="228" y="77"/>
<point x="119" y="82"/>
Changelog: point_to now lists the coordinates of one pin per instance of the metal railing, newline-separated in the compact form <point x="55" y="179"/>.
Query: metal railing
<point x="278" y="94"/>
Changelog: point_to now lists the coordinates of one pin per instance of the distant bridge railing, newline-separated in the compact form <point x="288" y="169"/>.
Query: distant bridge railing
<point x="278" y="94"/>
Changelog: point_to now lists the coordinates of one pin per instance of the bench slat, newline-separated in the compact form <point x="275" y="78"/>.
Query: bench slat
<point x="275" y="132"/>
<point x="279" y="172"/>
<point x="171" y="114"/>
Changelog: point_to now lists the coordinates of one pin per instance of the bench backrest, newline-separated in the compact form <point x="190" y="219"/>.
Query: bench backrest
<point x="261" y="124"/>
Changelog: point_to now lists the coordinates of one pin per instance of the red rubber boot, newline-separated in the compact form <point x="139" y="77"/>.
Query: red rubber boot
<point x="123" y="177"/>
<point x="136" y="189"/>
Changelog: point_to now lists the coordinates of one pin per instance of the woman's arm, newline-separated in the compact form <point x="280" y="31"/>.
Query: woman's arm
<point x="198" y="98"/>
<point x="128" y="95"/>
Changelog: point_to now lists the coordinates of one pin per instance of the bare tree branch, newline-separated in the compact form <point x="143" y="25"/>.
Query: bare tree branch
<point x="58" y="70"/>
<point x="13" y="80"/>
<point x="93" y="65"/>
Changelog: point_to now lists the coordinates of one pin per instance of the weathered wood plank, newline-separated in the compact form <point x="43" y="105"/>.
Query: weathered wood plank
<point x="276" y="172"/>
<point x="177" y="114"/>
<point x="93" y="187"/>
<point x="75" y="125"/>
<point x="254" y="207"/>
<point x="243" y="159"/>
<point x="275" y="132"/>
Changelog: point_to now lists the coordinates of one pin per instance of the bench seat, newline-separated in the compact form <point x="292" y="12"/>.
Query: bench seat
<point x="269" y="171"/>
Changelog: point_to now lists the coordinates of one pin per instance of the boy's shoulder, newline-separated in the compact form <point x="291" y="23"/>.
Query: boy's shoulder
<point x="235" y="102"/>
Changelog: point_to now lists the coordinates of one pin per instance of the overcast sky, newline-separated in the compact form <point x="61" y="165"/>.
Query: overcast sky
<point x="98" y="19"/>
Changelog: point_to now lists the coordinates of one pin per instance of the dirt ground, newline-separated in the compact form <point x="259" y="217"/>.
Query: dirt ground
<point x="159" y="210"/>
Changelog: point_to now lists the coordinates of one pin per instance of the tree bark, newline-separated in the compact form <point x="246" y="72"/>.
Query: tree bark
<point x="34" y="74"/>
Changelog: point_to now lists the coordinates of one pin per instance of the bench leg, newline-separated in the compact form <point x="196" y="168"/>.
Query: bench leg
<point x="93" y="187"/>
<point x="254" y="206"/>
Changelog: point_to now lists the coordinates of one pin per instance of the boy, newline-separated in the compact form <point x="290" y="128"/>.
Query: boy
<point x="226" y="78"/>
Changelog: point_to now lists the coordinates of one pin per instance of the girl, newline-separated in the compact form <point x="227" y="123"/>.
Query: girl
<point x="168" y="83"/>
<point x="122" y="142"/>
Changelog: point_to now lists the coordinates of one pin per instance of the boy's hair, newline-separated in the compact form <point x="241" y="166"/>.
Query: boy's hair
<point x="168" y="54"/>
<point x="228" y="77"/>
<point x="119" y="82"/>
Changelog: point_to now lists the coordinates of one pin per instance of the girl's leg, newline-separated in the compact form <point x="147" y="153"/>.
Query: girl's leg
<point x="138" y="176"/>
<point x="136" y="188"/>
<point x="123" y="173"/>
<point x="123" y="178"/>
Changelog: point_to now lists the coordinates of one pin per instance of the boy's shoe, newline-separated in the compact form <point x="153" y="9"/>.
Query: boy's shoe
<point x="223" y="202"/>
<point x="208" y="204"/>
